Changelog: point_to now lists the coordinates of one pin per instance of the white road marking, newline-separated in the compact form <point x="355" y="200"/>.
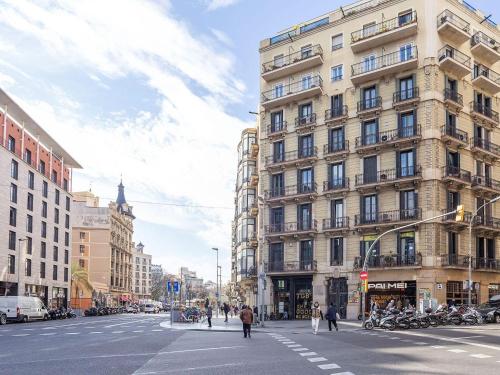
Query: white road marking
<point x="457" y="350"/>
<point x="120" y="324"/>
<point x="28" y="329"/>
<point x="157" y="330"/>
<point x="21" y="334"/>
<point x="299" y="349"/>
<point x="119" y="331"/>
<point x="328" y="366"/>
<point x="49" y="328"/>
<point x="343" y="373"/>
<point x="308" y="354"/>
<point x="139" y="331"/>
<point x="466" y="337"/>
<point x="480" y="356"/>
<point x="47" y="334"/>
<point x="90" y="333"/>
<point x="406" y="340"/>
<point x="395" y="338"/>
<point x="420" y="343"/>
<point x="317" y="359"/>
<point x="72" y="333"/>
<point x="438" y="346"/>
<point x="294" y="346"/>
<point x="288" y="342"/>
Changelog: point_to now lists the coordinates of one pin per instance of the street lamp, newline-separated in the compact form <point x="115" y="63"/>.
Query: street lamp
<point x="469" y="282"/>
<point x="19" y="266"/>
<point x="217" y="279"/>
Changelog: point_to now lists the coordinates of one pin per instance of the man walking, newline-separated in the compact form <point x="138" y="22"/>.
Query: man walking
<point x="246" y="317"/>
<point x="315" y="316"/>
<point x="331" y="315"/>
<point x="226" y="310"/>
<point x="209" y="316"/>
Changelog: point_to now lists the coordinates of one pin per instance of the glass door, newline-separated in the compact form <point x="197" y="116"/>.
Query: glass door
<point x="336" y="175"/>
<point x="306" y="255"/>
<point x="337" y="213"/>
<point x="369" y="209"/>
<point x="306" y="180"/>
<point x="336" y="140"/>
<point x="276" y="256"/>
<point x="406" y="88"/>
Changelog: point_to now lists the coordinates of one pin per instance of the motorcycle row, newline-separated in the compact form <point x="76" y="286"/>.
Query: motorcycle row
<point x="409" y="318"/>
<point x="61" y="313"/>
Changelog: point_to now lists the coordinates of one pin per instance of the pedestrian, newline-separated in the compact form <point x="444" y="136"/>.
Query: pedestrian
<point x="256" y="314"/>
<point x="225" y="308"/>
<point x="246" y="317"/>
<point x="209" y="316"/>
<point x="315" y="316"/>
<point x="207" y="303"/>
<point x="331" y="315"/>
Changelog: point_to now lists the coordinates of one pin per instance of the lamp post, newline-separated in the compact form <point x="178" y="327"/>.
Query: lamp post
<point x="217" y="279"/>
<point x="469" y="282"/>
<point x="19" y="266"/>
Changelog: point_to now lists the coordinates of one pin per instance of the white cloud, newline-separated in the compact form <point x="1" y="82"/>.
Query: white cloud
<point x="216" y="4"/>
<point x="222" y="37"/>
<point x="183" y="152"/>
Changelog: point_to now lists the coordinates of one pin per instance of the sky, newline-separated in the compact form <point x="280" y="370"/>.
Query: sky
<point x="156" y="92"/>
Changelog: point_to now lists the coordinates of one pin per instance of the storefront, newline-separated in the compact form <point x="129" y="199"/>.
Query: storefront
<point x="493" y="290"/>
<point x="40" y="291"/>
<point x="337" y="293"/>
<point x="59" y="297"/>
<point x="8" y="289"/>
<point x="458" y="293"/>
<point x="404" y="293"/>
<point x="292" y="298"/>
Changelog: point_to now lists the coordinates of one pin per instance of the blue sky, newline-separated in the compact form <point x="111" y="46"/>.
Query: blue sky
<point x="158" y="91"/>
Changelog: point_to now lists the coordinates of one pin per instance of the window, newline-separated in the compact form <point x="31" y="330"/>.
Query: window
<point x="12" y="240"/>
<point x="81" y="263"/>
<point x="370" y="132"/>
<point x="54" y="272"/>
<point x="56" y="234"/>
<point x="29" y="224"/>
<point x="306" y="255"/>
<point x="66" y="239"/>
<point x="44" y="209"/>
<point x="27" y="268"/>
<point x="56" y="215"/>
<point x="305" y="178"/>
<point x="405" y="18"/>
<point x="54" y="176"/>
<point x="29" y="203"/>
<point x="42" y="270"/>
<point x="41" y="167"/>
<point x="68" y="203"/>
<point x="13" y="193"/>
<point x="45" y="189"/>
<point x="66" y="222"/>
<point x="55" y="254"/>
<point x="14" y="169"/>
<point x="82" y="249"/>
<point x="277" y="121"/>
<point x="307" y="82"/>
<point x="29" y="245"/>
<point x="306" y="115"/>
<point x="43" y="250"/>
<point x="408" y="202"/>
<point x="82" y="235"/>
<point x="66" y="256"/>
<point x="278" y="90"/>
<point x="12" y="264"/>
<point x="66" y="274"/>
<point x="43" y="230"/>
<point x="57" y="197"/>
<point x="406" y="52"/>
<point x="406" y="124"/>
<point x="406" y="90"/>
<point x="306" y="146"/>
<point x="304" y="216"/>
<point x="337" y="42"/>
<point x="278" y="61"/>
<point x="11" y="144"/>
<point x="27" y="156"/>
<point x="369" y="209"/>
<point x="31" y="180"/>
<point x="65" y="184"/>
<point x="12" y="216"/>
<point x="306" y="51"/>
<point x="278" y="151"/>
<point x="369" y="63"/>
<point x="406" y="163"/>
<point x="336" y="251"/>
<point x="337" y="72"/>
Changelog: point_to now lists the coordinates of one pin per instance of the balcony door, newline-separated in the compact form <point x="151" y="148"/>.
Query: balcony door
<point x="306" y="51"/>
<point x="279" y="151"/>
<point x="306" y="180"/>
<point x="407" y="124"/>
<point x="364" y="245"/>
<point x="336" y="139"/>
<point x="406" y="52"/>
<point x="370" y="169"/>
<point x="406" y="248"/>
<point x="452" y="200"/>
<point x="408" y="204"/>
<point x="337" y="104"/>
<point x="370" y="63"/>
<point x="306" y="255"/>
<point x="304" y="216"/>
<point x="452" y="248"/>
<point x="369" y="132"/>
<point x="406" y="163"/>
<point x="337" y="213"/>
<point x="336" y="174"/>
<point x="276" y="121"/>
<point x="406" y="88"/>
<point x="276" y="256"/>
<point x="305" y="113"/>
<point x="307" y="82"/>
<point x="369" y="209"/>
<point x="306" y="146"/>
<point x="277" y="219"/>
<point x="277" y="185"/>
<point x="453" y="163"/>
<point x="369" y="97"/>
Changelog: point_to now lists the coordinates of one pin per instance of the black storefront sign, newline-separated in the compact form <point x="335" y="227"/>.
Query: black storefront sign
<point x="381" y="292"/>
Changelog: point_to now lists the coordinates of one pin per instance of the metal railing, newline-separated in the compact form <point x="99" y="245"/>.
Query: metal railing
<point x="336" y="223"/>
<point x="336" y="184"/>
<point x="292" y="227"/>
<point x="454" y="54"/>
<point x="383" y="27"/>
<point x="388" y="175"/>
<point x="290" y="191"/>
<point x="484" y="110"/>
<point x="337" y="146"/>
<point x="486" y="145"/>
<point x="456" y="172"/>
<point x="249" y="272"/>
<point x="384" y="61"/>
<point x="452" y="216"/>
<point x="372" y="103"/>
<point x="486" y="182"/>
<point x="389" y="261"/>
<point x="487" y="221"/>
<point x="290" y="156"/>
<point x="482" y="71"/>
<point x="393" y="216"/>
<point x="452" y="18"/>
<point x="292" y="58"/>
<point x="305" y="120"/>
<point x="388" y="136"/>
<point x="403" y="95"/>
<point x="453" y="132"/>
<point x="490" y="264"/>
<point x="294" y="266"/>
<point x="454" y="96"/>
<point x="276" y="128"/>
<point x="480" y="37"/>
<point x="305" y="84"/>
<point x="336" y="112"/>
<point x="454" y="260"/>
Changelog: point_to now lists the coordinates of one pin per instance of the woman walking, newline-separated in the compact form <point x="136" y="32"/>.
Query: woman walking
<point x="315" y="316"/>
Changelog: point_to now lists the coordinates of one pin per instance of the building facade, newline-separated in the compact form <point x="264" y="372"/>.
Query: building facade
<point x="244" y="230"/>
<point x="35" y="201"/>
<point x="142" y="279"/>
<point x="374" y="116"/>
<point x="102" y="246"/>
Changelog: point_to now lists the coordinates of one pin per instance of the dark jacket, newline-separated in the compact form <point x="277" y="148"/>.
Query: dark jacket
<point x="331" y="313"/>
<point x="246" y="316"/>
<point x="209" y="312"/>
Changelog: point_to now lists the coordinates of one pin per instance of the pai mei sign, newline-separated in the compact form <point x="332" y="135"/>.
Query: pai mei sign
<point x="387" y="286"/>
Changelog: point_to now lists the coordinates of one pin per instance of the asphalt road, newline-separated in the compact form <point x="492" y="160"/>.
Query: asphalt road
<point x="138" y="344"/>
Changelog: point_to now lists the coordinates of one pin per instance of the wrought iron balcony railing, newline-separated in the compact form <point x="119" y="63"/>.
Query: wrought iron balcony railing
<point x="384" y="61"/>
<point x="383" y="27"/>
<point x="336" y="112"/>
<point x="453" y="132"/>
<point x="454" y="96"/>
<point x="336" y="146"/>
<point x="404" y="95"/>
<point x="294" y="266"/>
<point x="390" y="261"/>
<point x="305" y="84"/>
<point x="388" y="175"/>
<point x="276" y="128"/>
<point x="481" y="70"/>
<point x="336" y="223"/>
<point x="393" y="216"/>
<point x="486" y="145"/>
<point x="336" y="184"/>
<point x="481" y="38"/>
<point x="452" y="18"/>
<point x="486" y="182"/>
<point x="454" y="54"/>
<point x="388" y="136"/>
<point x="292" y="58"/>
<point x="368" y="104"/>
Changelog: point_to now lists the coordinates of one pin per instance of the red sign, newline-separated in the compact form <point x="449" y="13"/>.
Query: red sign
<point x="363" y="275"/>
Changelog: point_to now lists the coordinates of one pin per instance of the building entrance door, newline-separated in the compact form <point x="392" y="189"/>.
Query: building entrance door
<point x="337" y="294"/>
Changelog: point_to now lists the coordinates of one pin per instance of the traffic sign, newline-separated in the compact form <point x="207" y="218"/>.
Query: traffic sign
<point x="176" y="287"/>
<point x="363" y="275"/>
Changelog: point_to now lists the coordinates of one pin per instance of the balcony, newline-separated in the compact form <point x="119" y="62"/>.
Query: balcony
<point x="452" y="27"/>
<point x="247" y="273"/>
<point x="254" y="150"/>
<point x="277" y="130"/>
<point x="453" y="61"/>
<point x="336" y="225"/>
<point x="486" y="79"/>
<point x="450" y="220"/>
<point x="369" y="107"/>
<point x="254" y="179"/>
<point x="305" y="123"/>
<point x="486" y="225"/>
<point x="337" y="186"/>
<point x="485" y="186"/>
<point x="483" y="114"/>
<point x="395" y="137"/>
<point x="336" y="150"/>
<point x="308" y="87"/>
<point x="383" y="33"/>
<point x="336" y="115"/>
<point x="296" y="193"/>
<point x="405" y="99"/>
<point x="292" y="158"/>
<point x="293" y="229"/>
<point x="453" y="100"/>
<point x="397" y="177"/>
<point x="484" y="148"/>
<point x="301" y="267"/>
<point x="390" y="261"/>
<point x="387" y="218"/>
<point x="253" y="209"/>
<point x="454" y="137"/>
<point x="485" y="48"/>
<point x="455" y="177"/>
<point x="454" y="261"/>
<point x="486" y="264"/>
<point x="292" y="63"/>
<point x="384" y="65"/>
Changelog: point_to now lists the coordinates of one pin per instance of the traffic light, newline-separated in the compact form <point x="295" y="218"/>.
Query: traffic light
<point x="460" y="213"/>
<point x="365" y="285"/>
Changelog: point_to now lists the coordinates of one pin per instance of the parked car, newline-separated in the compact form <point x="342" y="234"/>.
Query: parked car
<point x="150" y="309"/>
<point x="23" y="309"/>
<point x="3" y="318"/>
<point x="132" y="309"/>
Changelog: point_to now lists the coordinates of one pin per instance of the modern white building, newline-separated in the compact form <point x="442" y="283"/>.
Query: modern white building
<point x="142" y="276"/>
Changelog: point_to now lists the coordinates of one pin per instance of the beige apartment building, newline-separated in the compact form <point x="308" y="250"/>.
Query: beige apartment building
<point x="374" y="116"/>
<point x="102" y="246"/>
<point x="142" y="278"/>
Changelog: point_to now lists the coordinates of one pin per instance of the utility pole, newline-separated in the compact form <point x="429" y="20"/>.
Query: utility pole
<point x="19" y="267"/>
<point x="217" y="280"/>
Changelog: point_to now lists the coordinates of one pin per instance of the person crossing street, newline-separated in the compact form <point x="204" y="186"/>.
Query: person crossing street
<point x="315" y="317"/>
<point x="331" y="315"/>
<point x="246" y="317"/>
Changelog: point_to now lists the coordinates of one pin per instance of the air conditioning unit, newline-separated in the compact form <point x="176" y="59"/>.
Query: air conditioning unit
<point x="384" y="138"/>
<point x="479" y="180"/>
<point x="383" y="176"/>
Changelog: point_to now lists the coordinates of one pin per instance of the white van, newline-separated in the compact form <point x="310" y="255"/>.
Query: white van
<point x="23" y="309"/>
